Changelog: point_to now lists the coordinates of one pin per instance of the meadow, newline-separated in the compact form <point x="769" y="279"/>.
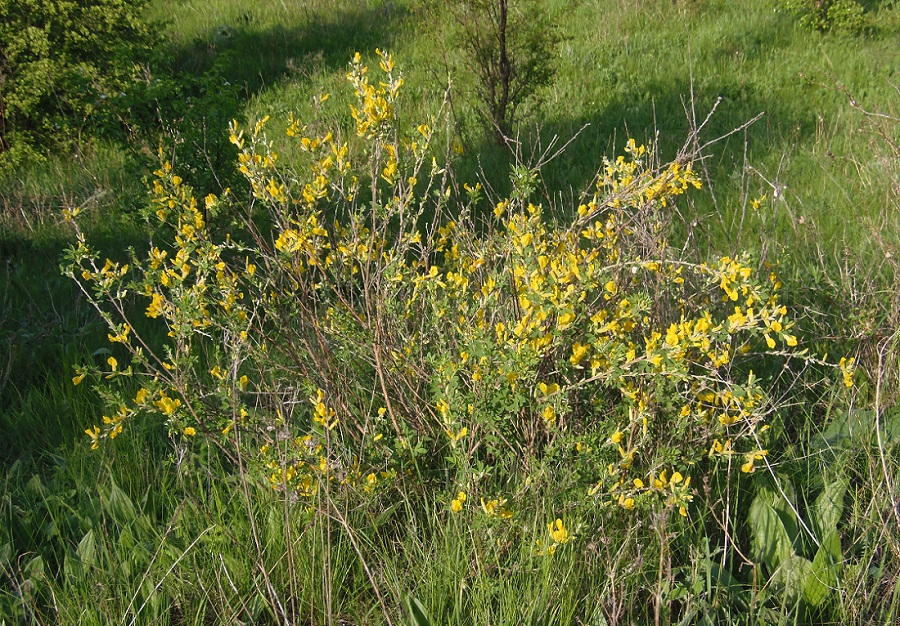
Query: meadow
<point x="298" y="342"/>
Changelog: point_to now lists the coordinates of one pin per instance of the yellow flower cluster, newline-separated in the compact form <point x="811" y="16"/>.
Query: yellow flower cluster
<point x="375" y="110"/>
<point x="559" y="535"/>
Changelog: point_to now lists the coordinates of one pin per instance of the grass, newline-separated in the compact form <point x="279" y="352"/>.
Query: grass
<point x="153" y="530"/>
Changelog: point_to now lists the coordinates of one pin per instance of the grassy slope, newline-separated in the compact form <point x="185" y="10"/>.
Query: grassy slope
<point x="627" y="69"/>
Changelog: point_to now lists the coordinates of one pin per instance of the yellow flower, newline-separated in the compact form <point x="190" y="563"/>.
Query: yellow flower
<point x="120" y="337"/>
<point x="113" y="363"/>
<point x="847" y="369"/>
<point x="190" y="431"/>
<point x="565" y="320"/>
<point x="457" y="504"/>
<point x="548" y="389"/>
<point x="549" y="414"/>
<point x="167" y="405"/>
<point x="156" y="306"/>
<point x="77" y="379"/>
<point x="454" y="437"/>
<point x="490" y="506"/>
<point x="559" y="532"/>
<point x="661" y="482"/>
<point x="94" y="434"/>
<point x="579" y="351"/>
<point x="496" y="507"/>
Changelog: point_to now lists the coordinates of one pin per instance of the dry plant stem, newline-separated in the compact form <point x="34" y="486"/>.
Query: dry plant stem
<point x="289" y="550"/>
<point x="384" y="389"/>
<point x="245" y="491"/>
<point x="872" y="117"/>
<point x="335" y="512"/>
<point x="657" y="600"/>
<point x="895" y="509"/>
<point x="159" y="584"/>
<point x="231" y="584"/>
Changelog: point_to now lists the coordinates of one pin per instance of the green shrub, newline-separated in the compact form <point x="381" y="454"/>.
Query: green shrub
<point x="828" y="15"/>
<point x="189" y="114"/>
<point x="62" y="65"/>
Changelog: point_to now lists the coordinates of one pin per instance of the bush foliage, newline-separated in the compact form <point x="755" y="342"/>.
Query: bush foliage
<point x="828" y="15"/>
<point x="63" y="67"/>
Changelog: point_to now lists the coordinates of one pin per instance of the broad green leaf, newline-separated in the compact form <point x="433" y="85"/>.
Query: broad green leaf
<point x="773" y="527"/>
<point x="85" y="549"/>
<point x="826" y="566"/>
<point x="416" y="612"/>
<point x="826" y="510"/>
<point x="119" y="505"/>
<point x="796" y="577"/>
<point x="853" y="428"/>
<point x="34" y="568"/>
<point x="73" y="568"/>
<point x="818" y="582"/>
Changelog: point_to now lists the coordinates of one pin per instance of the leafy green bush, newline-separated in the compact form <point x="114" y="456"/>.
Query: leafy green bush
<point x="63" y="64"/>
<point x="828" y="15"/>
<point x="189" y="114"/>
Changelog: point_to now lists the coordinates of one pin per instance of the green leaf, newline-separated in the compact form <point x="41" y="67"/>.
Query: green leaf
<point x="416" y="612"/>
<point x="119" y="505"/>
<point x="826" y="510"/>
<point x="34" y="568"/>
<point x="86" y="548"/>
<point x="817" y="583"/>
<point x="796" y="577"/>
<point x="773" y="528"/>
<point x="826" y="568"/>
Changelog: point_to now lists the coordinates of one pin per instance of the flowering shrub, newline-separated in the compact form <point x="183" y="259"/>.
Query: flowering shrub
<point x="364" y="320"/>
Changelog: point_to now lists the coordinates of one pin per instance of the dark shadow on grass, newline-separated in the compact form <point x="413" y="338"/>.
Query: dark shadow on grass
<point x="259" y="56"/>
<point x="659" y="107"/>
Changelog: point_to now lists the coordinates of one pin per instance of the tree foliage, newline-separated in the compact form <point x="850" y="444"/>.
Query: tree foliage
<point x="63" y="66"/>
<point x="511" y="46"/>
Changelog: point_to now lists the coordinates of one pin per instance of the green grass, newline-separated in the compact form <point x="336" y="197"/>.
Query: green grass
<point x="152" y="524"/>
